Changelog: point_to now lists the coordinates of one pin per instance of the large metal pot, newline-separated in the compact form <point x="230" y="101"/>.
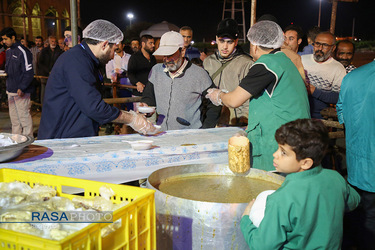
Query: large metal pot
<point x="189" y="224"/>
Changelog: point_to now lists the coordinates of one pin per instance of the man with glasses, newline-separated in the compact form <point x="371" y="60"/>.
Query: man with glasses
<point x="323" y="74"/>
<point x="73" y="106"/>
<point x="176" y="87"/>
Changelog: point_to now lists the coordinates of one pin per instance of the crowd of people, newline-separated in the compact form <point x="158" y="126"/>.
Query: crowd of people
<point x="274" y="91"/>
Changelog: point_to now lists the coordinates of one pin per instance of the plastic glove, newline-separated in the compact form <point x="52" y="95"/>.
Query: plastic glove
<point x="140" y="124"/>
<point x="214" y="96"/>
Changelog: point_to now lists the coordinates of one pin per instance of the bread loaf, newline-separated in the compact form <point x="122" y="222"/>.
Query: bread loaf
<point x="239" y="154"/>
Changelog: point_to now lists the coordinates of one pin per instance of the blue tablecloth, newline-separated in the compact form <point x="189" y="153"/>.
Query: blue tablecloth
<point x="110" y="159"/>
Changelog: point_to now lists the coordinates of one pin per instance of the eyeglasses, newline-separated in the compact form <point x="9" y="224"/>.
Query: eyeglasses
<point x="325" y="45"/>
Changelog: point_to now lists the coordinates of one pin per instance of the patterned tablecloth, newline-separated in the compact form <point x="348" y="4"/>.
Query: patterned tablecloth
<point x="110" y="159"/>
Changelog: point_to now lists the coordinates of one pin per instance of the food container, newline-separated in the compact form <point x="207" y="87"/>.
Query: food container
<point x="146" y="109"/>
<point x="137" y="230"/>
<point x="14" y="150"/>
<point x="190" y="224"/>
<point x="141" y="144"/>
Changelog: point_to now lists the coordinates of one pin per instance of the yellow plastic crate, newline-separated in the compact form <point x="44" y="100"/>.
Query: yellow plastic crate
<point x="137" y="229"/>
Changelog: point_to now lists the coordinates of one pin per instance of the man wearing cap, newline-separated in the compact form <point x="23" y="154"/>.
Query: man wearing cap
<point x="227" y="67"/>
<point x="275" y="88"/>
<point x="176" y="87"/>
<point x="73" y="106"/>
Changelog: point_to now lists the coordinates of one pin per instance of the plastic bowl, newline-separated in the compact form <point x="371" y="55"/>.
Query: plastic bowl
<point x="141" y="145"/>
<point x="146" y="110"/>
<point x="14" y="150"/>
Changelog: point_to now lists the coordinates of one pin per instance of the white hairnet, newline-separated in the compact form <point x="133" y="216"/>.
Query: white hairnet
<point x="103" y="30"/>
<point x="267" y="34"/>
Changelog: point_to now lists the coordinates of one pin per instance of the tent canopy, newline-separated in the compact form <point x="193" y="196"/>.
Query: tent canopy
<point x="157" y="30"/>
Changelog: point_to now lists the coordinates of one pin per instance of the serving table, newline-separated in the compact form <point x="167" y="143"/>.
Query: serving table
<point x="111" y="159"/>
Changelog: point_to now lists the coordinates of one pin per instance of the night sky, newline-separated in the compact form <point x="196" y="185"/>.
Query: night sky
<point x="204" y="15"/>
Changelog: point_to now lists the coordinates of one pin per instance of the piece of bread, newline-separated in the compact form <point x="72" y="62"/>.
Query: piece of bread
<point x="239" y="154"/>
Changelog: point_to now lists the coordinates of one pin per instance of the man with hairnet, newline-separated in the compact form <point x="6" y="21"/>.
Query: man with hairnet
<point x="275" y="88"/>
<point x="73" y="106"/>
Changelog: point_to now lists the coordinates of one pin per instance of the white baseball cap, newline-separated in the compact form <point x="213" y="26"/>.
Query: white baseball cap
<point x="170" y="42"/>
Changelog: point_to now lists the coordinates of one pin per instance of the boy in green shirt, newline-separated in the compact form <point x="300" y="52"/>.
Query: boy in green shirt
<point x="307" y="211"/>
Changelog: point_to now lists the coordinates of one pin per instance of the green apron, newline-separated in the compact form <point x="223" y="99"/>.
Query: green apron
<point x="287" y="102"/>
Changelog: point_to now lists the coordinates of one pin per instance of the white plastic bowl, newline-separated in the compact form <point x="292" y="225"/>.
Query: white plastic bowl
<point x="141" y="145"/>
<point x="146" y="110"/>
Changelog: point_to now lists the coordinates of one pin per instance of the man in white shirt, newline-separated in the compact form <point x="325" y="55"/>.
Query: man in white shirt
<point x="323" y="74"/>
<point x="117" y="69"/>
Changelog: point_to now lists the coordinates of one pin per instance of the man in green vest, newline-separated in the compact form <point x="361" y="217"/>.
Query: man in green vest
<point x="275" y="88"/>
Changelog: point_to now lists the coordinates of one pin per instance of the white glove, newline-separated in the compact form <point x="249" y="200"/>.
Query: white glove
<point x="140" y="124"/>
<point x="214" y="95"/>
<point x="257" y="211"/>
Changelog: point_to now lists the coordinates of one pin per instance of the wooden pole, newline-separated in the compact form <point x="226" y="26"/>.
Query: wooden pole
<point x="333" y="16"/>
<point x="320" y="12"/>
<point x="24" y="21"/>
<point x="253" y="12"/>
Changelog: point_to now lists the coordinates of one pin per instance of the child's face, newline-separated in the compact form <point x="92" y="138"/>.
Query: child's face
<point x="285" y="160"/>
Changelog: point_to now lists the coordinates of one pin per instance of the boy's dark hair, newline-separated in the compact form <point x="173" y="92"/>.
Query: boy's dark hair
<point x="39" y="37"/>
<point x="308" y="139"/>
<point x="9" y="32"/>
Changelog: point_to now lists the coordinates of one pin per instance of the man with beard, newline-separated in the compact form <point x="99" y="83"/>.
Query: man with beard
<point x="227" y="67"/>
<point x="323" y="74"/>
<point x="176" y="87"/>
<point x="141" y="63"/>
<point x="134" y="45"/>
<point x="46" y="60"/>
<point x="344" y="54"/>
<point x="73" y="106"/>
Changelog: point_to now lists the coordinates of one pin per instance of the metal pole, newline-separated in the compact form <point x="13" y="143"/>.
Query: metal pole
<point x="320" y="12"/>
<point x="73" y="16"/>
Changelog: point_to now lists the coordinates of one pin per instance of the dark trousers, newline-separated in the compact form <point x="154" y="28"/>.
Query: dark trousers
<point x="359" y="227"/>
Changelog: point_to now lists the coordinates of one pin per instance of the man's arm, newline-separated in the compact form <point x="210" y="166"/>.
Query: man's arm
<point x="27" y="69"/>
<point x="330" y="97"/>
<point x="352" y="199"/>
<point x="235" y="98"/>
<point x="271" y="233"/>
<point x="211" y="112"/>
<point x="110" y="71"/>
<point x="132" y="69"/>
<point x="148" y="95"/>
